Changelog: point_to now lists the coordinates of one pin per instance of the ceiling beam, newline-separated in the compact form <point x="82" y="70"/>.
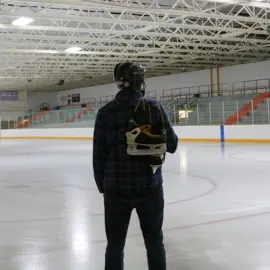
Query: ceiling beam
<point x="138" y="7"/>
<point x="105" y="49"/>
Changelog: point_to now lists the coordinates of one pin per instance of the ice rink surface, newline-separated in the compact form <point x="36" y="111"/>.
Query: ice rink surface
<point x="217" y="214"/>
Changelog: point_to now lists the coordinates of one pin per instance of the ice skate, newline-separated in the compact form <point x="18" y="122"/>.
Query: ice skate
<point x="141" y="141"/>
<point x="156" y="161"/>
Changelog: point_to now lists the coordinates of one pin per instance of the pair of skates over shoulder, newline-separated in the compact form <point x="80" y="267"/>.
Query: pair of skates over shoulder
<point x="143" y="140"/>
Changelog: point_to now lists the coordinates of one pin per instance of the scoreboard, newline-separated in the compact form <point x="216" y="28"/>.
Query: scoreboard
<point x="9" y="96"/>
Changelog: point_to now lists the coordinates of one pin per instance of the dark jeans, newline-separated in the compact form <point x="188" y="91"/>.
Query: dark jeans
<point x="118" y="210"/>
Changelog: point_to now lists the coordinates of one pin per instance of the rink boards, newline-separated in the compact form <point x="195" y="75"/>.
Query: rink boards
<point x="201" y="134"/>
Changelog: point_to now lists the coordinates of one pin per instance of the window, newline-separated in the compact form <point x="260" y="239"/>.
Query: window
<point x="75" y="98"/>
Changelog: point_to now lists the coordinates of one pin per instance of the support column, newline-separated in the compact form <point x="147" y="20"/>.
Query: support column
<point x="218" y="80"/>
<point x="211" y="82"/>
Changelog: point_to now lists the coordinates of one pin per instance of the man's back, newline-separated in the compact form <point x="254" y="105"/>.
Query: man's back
<point x="113" y="167"/>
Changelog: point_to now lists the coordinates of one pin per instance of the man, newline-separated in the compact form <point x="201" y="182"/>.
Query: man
<point x="127" y="181"/>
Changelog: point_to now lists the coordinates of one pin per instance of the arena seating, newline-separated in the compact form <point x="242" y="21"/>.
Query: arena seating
<point x="215" y="110"/>
<point x="65" y="118"/>
<point x="261" y="114"/>
<point x="184" y="106"/>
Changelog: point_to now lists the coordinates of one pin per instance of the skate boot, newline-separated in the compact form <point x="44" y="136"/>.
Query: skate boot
<point x="156" y="161"/>
<point x="141" y="141"/>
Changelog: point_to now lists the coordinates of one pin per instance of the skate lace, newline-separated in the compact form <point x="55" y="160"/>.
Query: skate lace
<point x="149" y="111"/>
<point x="146" y="129"/>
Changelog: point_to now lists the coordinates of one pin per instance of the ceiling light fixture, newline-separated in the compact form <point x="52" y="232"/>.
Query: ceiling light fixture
<point x="73" y="50"/>
<point x="22" y="21"/>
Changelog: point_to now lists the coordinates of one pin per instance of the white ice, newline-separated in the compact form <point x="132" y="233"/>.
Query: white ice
<point x="217" y="213"/>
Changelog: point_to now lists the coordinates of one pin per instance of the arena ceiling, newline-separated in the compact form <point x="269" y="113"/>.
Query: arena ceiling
<point x="81" y="41"/>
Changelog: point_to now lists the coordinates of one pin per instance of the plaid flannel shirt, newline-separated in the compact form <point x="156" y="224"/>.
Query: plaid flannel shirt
<point x="113" y="167"/>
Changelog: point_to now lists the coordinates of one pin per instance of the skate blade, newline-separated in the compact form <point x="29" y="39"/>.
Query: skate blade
<point x="154" y="168"/>
<point x="149" y="145"/>
<point x="133" y="150"/>
<point x="145" y="153"/>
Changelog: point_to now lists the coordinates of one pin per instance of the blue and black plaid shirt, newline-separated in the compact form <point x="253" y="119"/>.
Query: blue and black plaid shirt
<point x="113" y="167"/>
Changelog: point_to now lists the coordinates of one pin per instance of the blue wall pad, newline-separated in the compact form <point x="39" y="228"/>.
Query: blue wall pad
<point x="222" y="134"/>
